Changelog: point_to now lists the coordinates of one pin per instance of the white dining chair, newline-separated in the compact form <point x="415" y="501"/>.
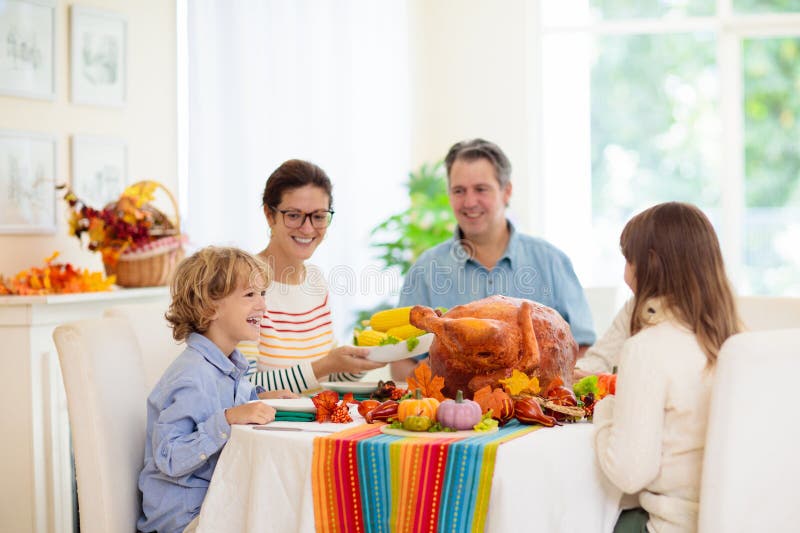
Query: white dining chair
<point x="104" y="380"/>
<point x="752" y="464"/>
<point x="153" y="334"/>
<point x="769" y="312"/>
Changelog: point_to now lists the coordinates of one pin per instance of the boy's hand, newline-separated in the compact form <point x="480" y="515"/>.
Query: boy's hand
<point x="277" y="394"/>
<point x="250" y="413"/>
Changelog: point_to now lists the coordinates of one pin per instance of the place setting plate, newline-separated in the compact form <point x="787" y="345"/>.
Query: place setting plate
<point x="395" y="352"/>
<point x="299" y="405"/>
<point x="356" y="387"/>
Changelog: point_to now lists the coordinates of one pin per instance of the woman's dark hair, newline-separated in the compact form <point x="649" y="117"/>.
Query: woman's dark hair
<point x="293" y="174"/>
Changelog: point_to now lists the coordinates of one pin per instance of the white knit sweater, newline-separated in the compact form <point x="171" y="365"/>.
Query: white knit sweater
<point x="603" y="355"/>
<point x="651" y="436"/>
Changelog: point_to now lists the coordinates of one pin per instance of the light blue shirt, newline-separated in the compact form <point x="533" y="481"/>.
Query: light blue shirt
<point x="446" y="276"/>
<point x="186" y="430"/>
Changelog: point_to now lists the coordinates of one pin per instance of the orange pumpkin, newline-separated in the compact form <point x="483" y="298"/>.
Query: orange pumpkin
<point x="606" y="384"/>
<point x="418" y="406"/>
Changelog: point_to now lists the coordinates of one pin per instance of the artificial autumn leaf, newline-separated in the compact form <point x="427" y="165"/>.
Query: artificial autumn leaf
<point x="325" y="402"/>
<point x="141" y="193"/>
<point x="55" y="278"/>
<point x="519" y="382"/>
<point x="483" y="398"/>
<point x="429" y="385"/>
<point x="130" y="222"/>
<point x="349" y="398"/>
<point x="497" y="400"/>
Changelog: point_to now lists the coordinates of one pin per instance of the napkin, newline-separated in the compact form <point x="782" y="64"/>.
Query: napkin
<point x="294" y="416"/>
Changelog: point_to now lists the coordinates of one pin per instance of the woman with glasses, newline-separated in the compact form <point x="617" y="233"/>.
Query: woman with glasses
<point x="297" y="349"/>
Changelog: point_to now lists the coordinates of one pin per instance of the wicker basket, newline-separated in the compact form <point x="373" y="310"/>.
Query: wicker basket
<point x="154" y="263"/>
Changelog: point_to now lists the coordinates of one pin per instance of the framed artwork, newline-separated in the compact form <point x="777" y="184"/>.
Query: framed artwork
<point x="99" y="169"/>
<point x="98" y="53"/>
<point x="27" y="182"/>
<point x="27" y="48"/>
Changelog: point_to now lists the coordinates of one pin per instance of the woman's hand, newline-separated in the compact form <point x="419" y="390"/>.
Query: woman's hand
<point x="250" y="413"/>
<point x="404" y="368"/>
<point x="350" y="359"/>
<point x="277" y="394"/>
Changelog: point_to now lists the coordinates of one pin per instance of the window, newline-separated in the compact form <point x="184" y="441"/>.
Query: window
<point x="689" y="100"/>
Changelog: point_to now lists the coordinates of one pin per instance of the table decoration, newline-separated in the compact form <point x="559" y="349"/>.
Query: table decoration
<point x="298" y="405"/>
<point x="138" y="242"/>
<point x="364" y="480"/>
<point x="330" y="409"/>
<point x="294" y="416"/>
<point x="389" y="390"/>
<point x="55" y="278"/>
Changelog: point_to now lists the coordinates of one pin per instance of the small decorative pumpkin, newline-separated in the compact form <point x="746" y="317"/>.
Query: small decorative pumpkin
<point x="418" y="406"/>
<point x="498" y="400"/>
<point x="459" y="414"/>
<point x="606" y="384"/>
<point x="417" y="423"/>
<point x="504" y="404"/>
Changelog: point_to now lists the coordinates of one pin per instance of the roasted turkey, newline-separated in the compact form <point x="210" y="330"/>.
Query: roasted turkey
<point x="480" y="343"/>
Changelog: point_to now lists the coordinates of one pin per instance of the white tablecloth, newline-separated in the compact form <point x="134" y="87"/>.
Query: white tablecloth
<point x="546" y="481"/>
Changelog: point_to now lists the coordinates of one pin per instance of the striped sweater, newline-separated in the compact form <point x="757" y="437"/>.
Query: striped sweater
<point x="296" y="330"/>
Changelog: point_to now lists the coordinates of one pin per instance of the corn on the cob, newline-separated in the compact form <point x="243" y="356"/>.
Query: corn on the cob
<point x="405" y="332"/>
<point x="390" y="318"/>
<point x="370" y="337"/>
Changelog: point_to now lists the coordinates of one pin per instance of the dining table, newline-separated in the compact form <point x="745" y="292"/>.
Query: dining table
<point x="547" y="481"/>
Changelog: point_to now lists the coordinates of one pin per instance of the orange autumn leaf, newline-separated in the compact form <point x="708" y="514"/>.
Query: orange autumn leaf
<point x="429" y="385"/>
<point x="483" y="398"/>
<point x="497" y="400"/>
<point x="55" y="278"/>
<point x="349" y="398"/>
<point x="325" y="402"/>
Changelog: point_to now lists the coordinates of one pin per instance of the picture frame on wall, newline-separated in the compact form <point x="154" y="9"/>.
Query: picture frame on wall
<point x="27" y="182"/>
<point x="98" y="57"/>
<point x="27" y="48"/>
<point x="99" y="169"/>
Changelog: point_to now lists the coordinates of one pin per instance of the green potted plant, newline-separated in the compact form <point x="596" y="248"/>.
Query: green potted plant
<point x="428" y="221"/>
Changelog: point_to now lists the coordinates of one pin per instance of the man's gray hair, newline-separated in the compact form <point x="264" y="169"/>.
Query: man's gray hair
<point x="480" y="149"/>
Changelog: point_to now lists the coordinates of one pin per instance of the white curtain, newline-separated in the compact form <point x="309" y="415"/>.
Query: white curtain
<point x="270" y="80"/>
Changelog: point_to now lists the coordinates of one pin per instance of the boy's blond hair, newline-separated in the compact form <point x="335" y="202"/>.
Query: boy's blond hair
<point x="206" y="277"/>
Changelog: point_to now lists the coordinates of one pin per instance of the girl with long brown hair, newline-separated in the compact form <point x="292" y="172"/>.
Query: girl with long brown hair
<point x="650" y="438"/>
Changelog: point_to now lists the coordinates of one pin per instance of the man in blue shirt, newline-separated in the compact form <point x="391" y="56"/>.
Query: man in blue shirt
<point x="487" y="256"/>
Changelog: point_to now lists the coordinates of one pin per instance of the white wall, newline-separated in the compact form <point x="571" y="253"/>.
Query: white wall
<point x="470" y="72"/>
<point x="147" y="122"/>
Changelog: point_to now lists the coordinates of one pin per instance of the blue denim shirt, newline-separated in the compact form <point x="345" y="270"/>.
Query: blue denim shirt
<point x="446" y="276"/>
<point x="186" y="430"/>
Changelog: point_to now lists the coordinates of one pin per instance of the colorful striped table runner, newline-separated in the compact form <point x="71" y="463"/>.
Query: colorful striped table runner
<point x="365" y="481"/>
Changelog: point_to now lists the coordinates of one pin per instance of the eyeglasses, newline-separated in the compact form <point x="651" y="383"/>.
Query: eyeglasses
<point x="293" y="219"/>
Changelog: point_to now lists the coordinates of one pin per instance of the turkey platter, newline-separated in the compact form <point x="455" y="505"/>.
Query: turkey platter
<point x="482" y="342"/>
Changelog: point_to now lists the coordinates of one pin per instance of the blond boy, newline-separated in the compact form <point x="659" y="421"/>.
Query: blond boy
<point x="217" y="301"/>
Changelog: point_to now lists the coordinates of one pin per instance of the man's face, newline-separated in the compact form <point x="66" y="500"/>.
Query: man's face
<point x="477" y="199"/>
